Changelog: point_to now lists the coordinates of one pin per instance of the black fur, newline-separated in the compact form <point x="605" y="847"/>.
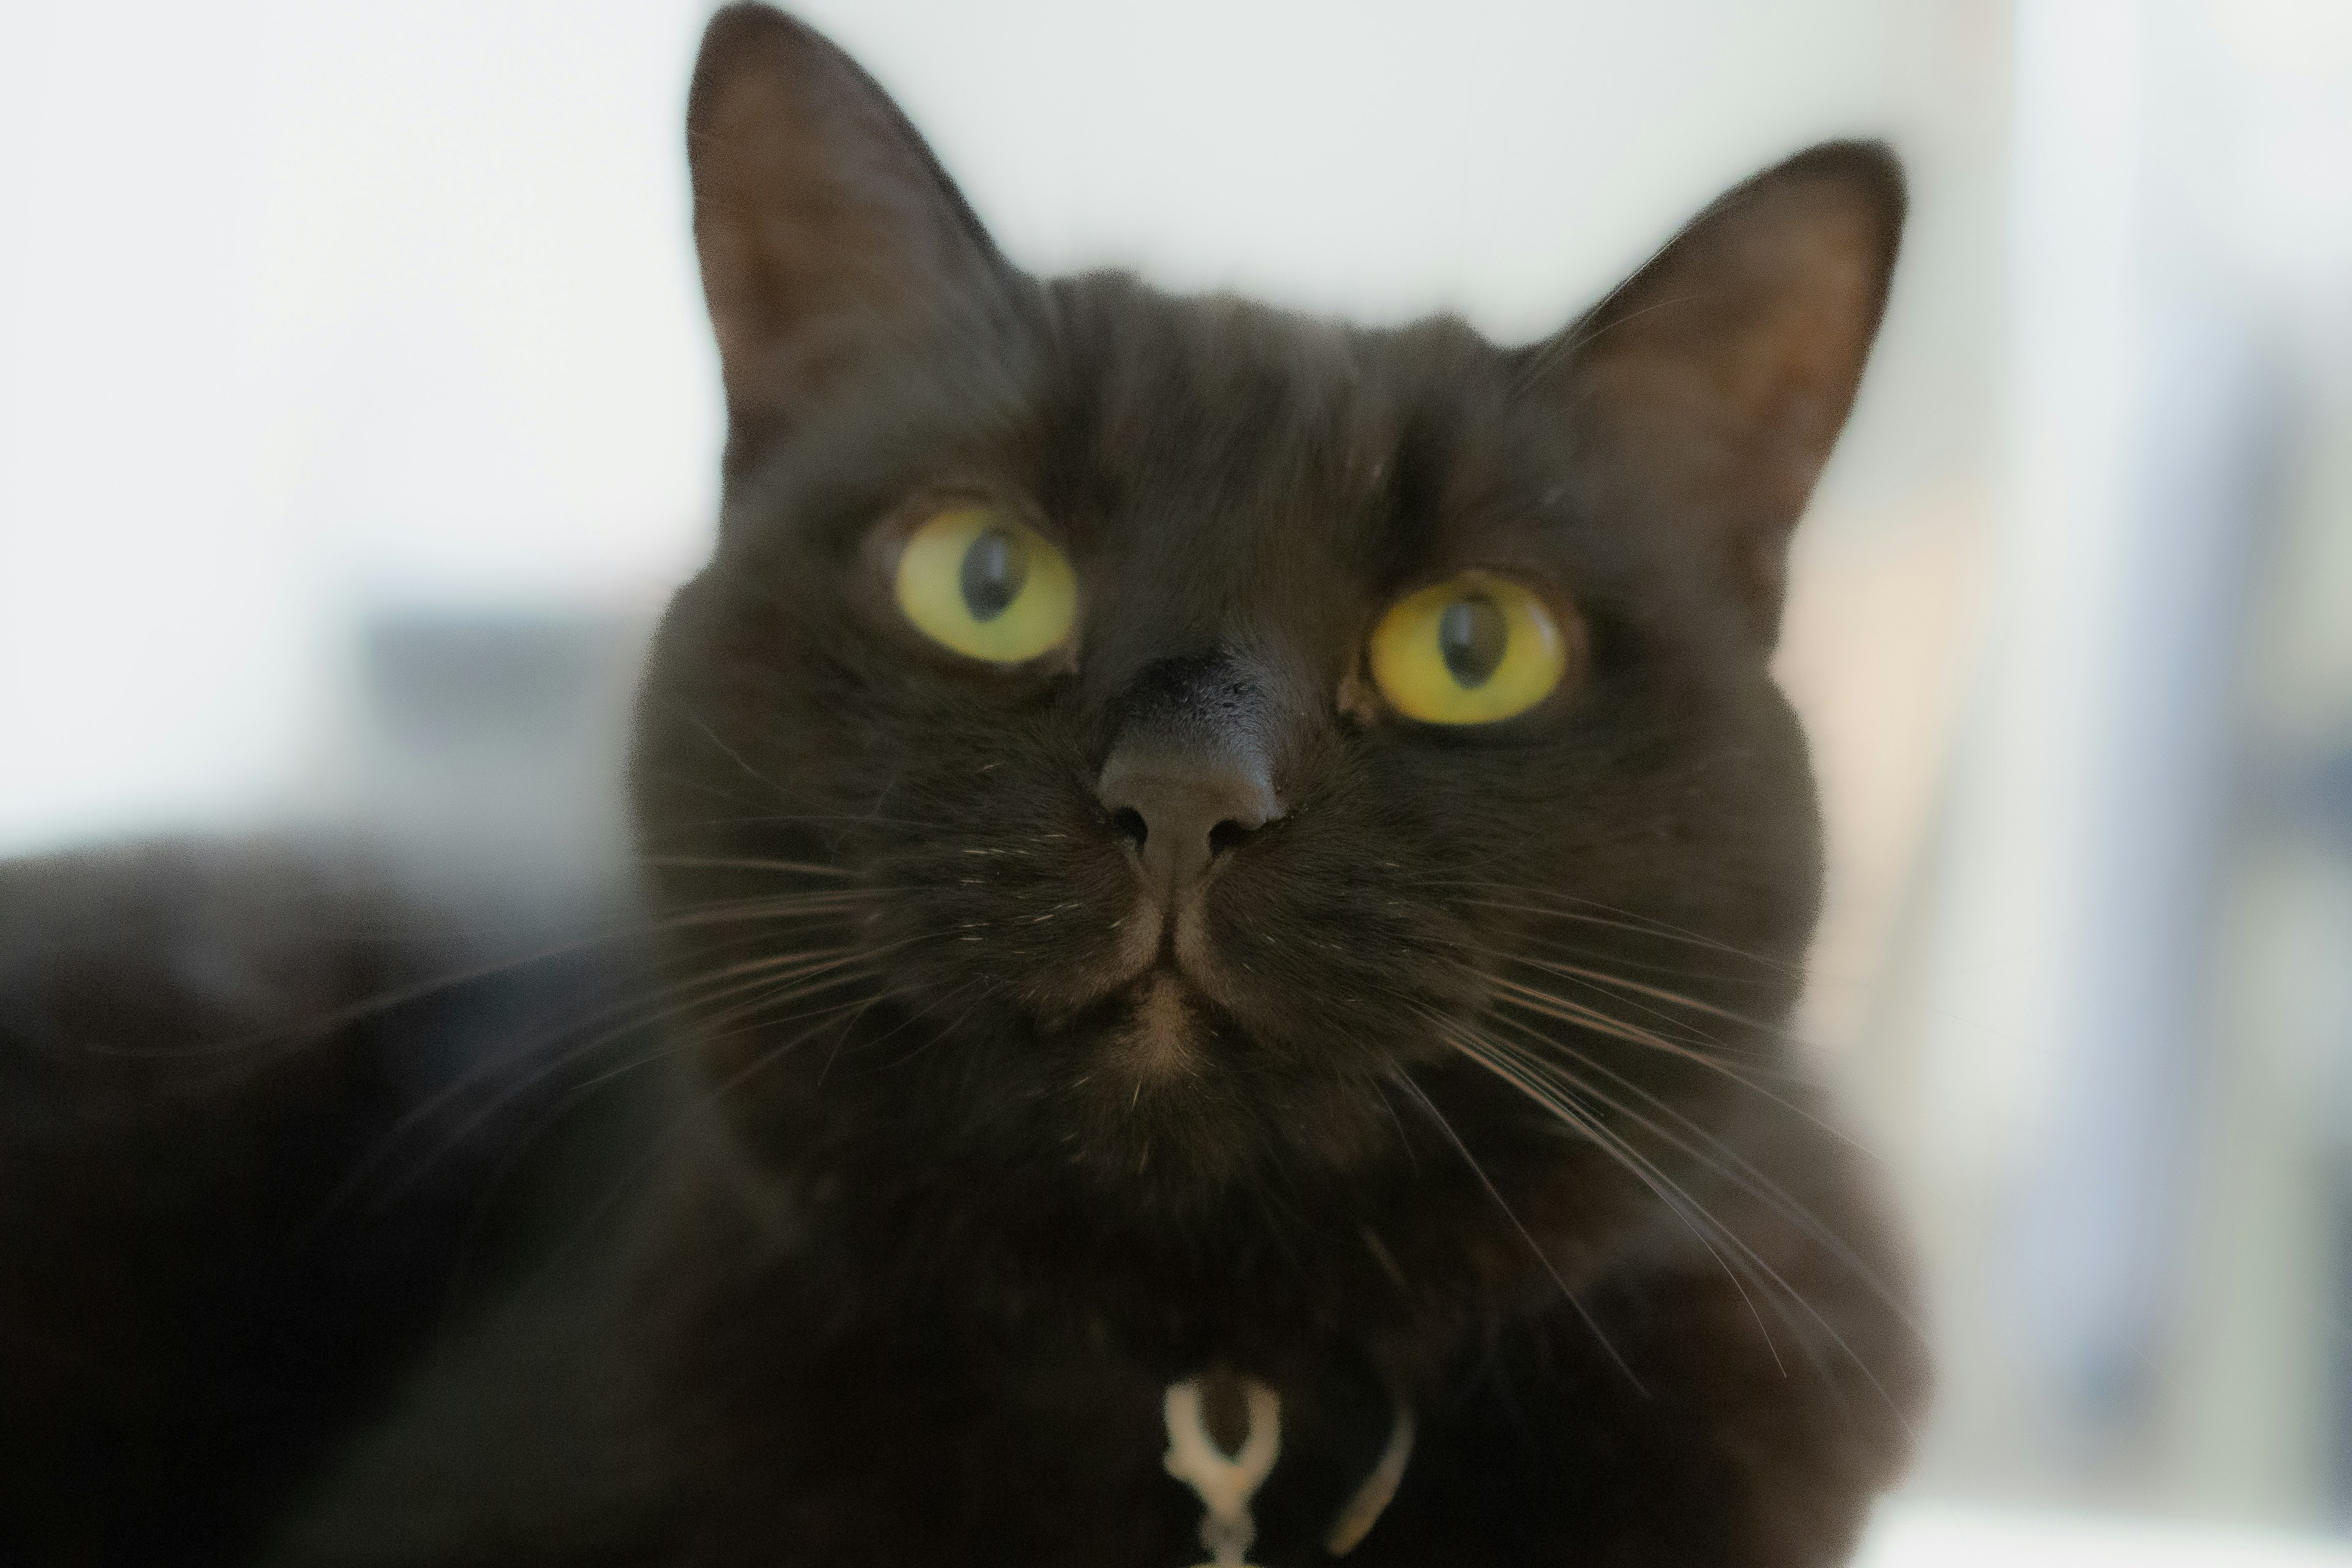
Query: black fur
<point x="945" y="1212"/>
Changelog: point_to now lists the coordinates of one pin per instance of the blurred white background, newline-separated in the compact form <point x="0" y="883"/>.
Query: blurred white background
<point x="345" y="352"/>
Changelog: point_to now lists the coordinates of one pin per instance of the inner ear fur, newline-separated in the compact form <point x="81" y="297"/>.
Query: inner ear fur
<point x="827" y="230"/>
<point x="1709" y="388"/>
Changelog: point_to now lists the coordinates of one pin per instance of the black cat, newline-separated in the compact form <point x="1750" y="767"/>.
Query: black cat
<point x="1224" y="892"/>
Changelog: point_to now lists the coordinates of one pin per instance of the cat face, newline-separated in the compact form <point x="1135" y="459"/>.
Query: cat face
<point x="1140" y="739"/>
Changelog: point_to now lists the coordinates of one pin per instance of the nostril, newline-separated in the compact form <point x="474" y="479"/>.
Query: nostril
<point x="1129" y="821"/>
<point x="1227" y="834"/>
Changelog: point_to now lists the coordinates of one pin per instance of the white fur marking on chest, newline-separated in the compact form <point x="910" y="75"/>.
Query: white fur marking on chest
<point x="1225" y="1483"/>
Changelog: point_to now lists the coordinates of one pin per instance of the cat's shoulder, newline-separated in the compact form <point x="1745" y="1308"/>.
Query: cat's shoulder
<point x="142" y="970"/>
<point x="258" y="1104"/>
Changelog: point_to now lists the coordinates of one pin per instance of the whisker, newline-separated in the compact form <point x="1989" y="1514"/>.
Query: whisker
<point x="772" y="989"/>
<point x="417" y="1116"/>
<point x="1544" y="1003"/>
<point x="1782" y="1035"/>
<point x="1404" y="1140"/>
<point x="776" y="1053"/>
<point x="910" y="1019"/>
<point x="524" y="1145"/>
<point x="1667" y="1191"/>
<point x="1748" y="1178"/>
<point x="1658" y="993"/>
<point x="352" y="1013"/>
<point x="1615" y="1143"/>
<point x="1611" y="916"/>
<point x="1665" y="933"/>
<point x="1553" y="943"/>
<point x="987" y="989"/>
<point x="777" y="906"/>
<point x="792" y="989"/>
<point x="729" y="753"/>
<point x="1421" y="1097"/>
<point x="703" y="1106"/>
<point x="728" y="863"/>
<point x="858" y="817"/>
<point x="1535" y="999"/>
<point x="704" y="787"/>
<point x="1767" y="1057"/>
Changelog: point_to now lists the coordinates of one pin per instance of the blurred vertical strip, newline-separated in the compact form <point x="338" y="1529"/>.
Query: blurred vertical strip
<point x="2028" y="1352"/>
<point x="2250" y="244"/>
<point x="2137" y="1018"/>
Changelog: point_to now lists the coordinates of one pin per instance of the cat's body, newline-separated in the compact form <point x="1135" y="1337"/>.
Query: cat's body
<point x="1163" y="1006"/>
<point x="255" y="1158"/>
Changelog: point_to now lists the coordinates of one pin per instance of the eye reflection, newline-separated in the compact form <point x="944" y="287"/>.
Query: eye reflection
<point x="994" y="569"/>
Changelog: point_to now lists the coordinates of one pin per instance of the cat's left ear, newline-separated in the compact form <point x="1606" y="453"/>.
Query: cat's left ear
<point x="827" y="232"/>
<point x="1704" y="392"/>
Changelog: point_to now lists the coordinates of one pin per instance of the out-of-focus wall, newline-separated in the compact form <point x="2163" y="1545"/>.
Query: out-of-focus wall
<point x="308" y="311"/>
<point x="2124" y="995"/>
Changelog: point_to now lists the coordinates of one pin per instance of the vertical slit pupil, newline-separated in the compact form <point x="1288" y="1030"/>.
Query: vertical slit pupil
<point x="1472" y="634"/>
<point x="994" y="568"/>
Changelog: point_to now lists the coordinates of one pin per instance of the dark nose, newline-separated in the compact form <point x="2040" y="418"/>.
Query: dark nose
<point x="1188" y="779"/>
<point x="1183" y="807"/>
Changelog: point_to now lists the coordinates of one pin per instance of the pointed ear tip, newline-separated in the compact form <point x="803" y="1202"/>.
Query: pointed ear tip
<point x="1867" y="172"/>
<point x="733" y="33"/>
<point x="739" y="20"/>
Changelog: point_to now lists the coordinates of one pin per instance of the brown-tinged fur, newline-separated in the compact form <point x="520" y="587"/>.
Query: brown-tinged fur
<point x="1456" y="1075"/>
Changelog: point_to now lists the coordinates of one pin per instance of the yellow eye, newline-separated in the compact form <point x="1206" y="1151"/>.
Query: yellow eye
<point x="1470" y="650"/>
<point x="987" y="585"/>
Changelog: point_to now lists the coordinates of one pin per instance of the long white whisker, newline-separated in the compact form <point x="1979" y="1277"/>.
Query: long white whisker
<point x="1421" y="1097"/>
<point x="1548" y="1005"/>
<point x="1606" y="1139"/>
<point x="1513" y="1070"/>
<point x="1745" y="1176"/>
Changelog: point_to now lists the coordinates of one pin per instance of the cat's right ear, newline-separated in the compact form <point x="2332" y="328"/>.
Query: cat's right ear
<point x="827" y="230"/>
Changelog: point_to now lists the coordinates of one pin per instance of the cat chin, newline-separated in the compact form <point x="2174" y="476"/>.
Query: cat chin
<point x="1155" y="1037"/>
<point x="1172" y="1105"/>
<point x="1159" y="1041"/>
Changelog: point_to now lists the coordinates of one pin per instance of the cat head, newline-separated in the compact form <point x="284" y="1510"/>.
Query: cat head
<point x="1129" y="741"/>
